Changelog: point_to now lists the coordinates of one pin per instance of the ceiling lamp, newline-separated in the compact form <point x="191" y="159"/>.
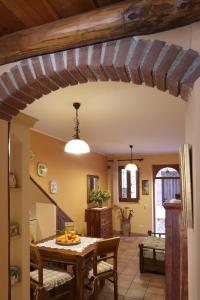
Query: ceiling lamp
<point x="131" y="166"/>
<point x="77" y="146"/>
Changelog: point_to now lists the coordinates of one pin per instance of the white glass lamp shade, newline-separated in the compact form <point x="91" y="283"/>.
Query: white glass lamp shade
<point x="131" y="167"/>
<point x="77" y="146"/>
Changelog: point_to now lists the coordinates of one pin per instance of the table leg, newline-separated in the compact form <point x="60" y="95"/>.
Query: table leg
<point x="80" y="279"/>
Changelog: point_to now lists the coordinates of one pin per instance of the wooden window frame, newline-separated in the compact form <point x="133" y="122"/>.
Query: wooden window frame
<point x="128" y="199"/>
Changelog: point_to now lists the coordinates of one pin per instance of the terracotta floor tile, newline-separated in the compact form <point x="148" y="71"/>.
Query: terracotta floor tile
<point x="156" y="290"/>
<point x="137" y="290"/>
<point x="153" y="296"/>
<point x="131" y="284"/>
<point x="158" y="280"/>
<point x="122" y="290"/>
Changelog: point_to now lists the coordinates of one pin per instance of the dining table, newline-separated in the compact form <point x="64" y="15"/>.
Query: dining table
<point x="76" y="255"/>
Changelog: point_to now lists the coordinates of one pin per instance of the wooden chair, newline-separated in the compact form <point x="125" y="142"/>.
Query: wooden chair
<point x="105" y="249"/>
<point x="48" y="283"/>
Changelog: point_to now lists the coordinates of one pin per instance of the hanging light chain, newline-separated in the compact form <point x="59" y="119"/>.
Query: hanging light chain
<point x="131" y="146"/>
<point x="76" y="128"/>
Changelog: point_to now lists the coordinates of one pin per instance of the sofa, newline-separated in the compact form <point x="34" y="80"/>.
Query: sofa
<point x="152" y="253"/>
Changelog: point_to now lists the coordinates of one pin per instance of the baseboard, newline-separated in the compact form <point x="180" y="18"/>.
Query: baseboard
<point x="115" y="232"/>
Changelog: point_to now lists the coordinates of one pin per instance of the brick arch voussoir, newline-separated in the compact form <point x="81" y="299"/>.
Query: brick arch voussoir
<point x="152" y="62"/>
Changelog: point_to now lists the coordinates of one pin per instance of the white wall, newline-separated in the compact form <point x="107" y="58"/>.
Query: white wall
<point x="46" y="220"/>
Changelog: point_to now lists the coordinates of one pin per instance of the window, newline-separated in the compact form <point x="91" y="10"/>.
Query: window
<point x="128" y="185"/>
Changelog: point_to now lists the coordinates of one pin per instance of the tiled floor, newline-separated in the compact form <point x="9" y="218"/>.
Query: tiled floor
<point x="132" y="284"/>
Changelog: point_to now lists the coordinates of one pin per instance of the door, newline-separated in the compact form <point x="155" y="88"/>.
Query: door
<point x="166" y="187"/>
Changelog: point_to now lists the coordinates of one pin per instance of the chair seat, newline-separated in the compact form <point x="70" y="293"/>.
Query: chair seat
<point x="156" y="243"/>
<point x="51" y="278"/>
<point x="102" y="267"/>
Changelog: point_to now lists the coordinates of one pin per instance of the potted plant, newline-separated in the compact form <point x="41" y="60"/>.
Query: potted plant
<point x="99" y="196"/>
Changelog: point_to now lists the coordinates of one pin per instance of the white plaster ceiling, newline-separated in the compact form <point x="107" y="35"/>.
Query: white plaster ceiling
<point x="112" y="116"/>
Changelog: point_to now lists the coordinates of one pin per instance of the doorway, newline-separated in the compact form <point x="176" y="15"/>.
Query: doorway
<point x="166" y="187"/>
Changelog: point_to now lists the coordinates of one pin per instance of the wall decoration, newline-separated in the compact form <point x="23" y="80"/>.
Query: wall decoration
<point x="42" y="169"/>
<point x="92" y="184"/>
<point x="14" y="274"/>
<point x="31" y="155"/>
<point x="186" y="185"/>
<point x="14" y="230"/>
<point x="53" y="187"/>
<point x="12" y="180"/>
<point x="145" y="187"/>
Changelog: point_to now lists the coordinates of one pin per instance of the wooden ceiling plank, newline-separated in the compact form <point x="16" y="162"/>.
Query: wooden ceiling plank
<point x="106" y="2"/>
<point x="103" y="24"/>
<point x="8" y="21"/>
<point x="50" y="9"/>
<point x="30" y="13"/>
<point x="68" y="8"/>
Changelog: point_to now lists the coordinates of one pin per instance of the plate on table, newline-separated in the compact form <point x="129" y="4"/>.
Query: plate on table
<point x="68" y="243"/>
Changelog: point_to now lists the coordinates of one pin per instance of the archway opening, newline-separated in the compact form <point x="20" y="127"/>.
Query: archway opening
<point x="166" y="187"/>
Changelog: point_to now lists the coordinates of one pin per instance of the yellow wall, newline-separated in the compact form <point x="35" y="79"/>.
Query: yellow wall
<point x="70" y="172"/>
<point x="19" y="202"/>
<point x="4" y="209"/>
<point x="192" y="137"/>
<point x="143" y="210"/>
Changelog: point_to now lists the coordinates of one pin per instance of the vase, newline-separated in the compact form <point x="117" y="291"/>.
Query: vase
<point x="100" y="204"/>
<point x="126" y="227"/>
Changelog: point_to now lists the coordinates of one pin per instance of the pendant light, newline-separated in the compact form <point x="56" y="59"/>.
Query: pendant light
<point x="131" y="166"/>
<point x="77" y="146"/>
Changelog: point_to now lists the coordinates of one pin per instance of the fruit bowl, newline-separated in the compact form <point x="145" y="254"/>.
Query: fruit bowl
<point x="67" y="243"/>
<point x="68" y="239"/>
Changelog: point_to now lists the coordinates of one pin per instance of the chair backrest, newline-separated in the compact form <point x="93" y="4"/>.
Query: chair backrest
<point x="106" y="249"/>
<point x="36" y="262"/>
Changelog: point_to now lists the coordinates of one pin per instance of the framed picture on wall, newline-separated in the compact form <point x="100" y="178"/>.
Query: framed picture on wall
<point x="92" y="184"/>
<point x="53" y="186"/>
<point x="145" y="187"/>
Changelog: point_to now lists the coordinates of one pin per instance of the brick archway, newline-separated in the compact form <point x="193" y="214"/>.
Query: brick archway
<point x="153" y="62"/>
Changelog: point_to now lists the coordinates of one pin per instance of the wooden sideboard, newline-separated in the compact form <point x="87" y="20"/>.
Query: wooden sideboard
<point x="176" y="266"/>
<point x="99" y="222"/>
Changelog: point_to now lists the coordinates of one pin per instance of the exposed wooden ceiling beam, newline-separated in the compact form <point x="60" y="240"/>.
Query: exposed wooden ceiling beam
<point x="108" y="23"/>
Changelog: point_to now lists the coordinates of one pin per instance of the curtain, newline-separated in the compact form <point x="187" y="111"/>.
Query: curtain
<point x="115" y="183"/>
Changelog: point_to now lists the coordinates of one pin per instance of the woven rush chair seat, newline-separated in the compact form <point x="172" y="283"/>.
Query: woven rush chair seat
<point x="102" y="267"/>
<point x="105" y="250"/>
<point x="51" y="278"/>
<point x="47" y="283"/>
